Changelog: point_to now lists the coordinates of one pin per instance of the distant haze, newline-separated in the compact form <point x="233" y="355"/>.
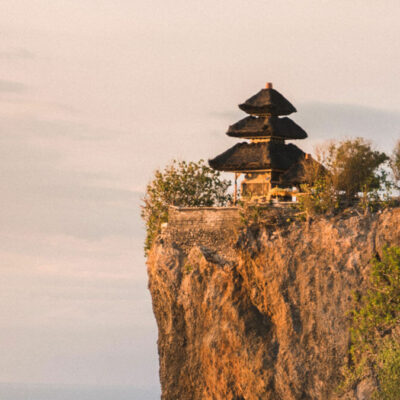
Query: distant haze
<point x="95" y="95"/>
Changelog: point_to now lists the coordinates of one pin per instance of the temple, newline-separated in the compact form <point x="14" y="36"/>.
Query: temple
<point x="271" y="167"/>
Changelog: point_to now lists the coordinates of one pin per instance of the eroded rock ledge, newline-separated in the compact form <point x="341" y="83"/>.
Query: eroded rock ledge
<point x="259" y="314"/>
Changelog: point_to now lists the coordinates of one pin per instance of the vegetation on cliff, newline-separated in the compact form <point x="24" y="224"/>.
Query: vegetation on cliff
<point x="184" y="184"/>
<point x="395" y="163"/>
<point x="375" y="328"/>
<point x="265" y="317"/>
<point x="348" y="172"/>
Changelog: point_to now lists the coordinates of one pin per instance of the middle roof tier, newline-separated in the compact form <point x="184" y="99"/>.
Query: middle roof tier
<point x="260" y="127"/>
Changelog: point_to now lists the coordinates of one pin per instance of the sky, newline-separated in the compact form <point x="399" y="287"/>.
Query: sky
<point x="97" y="94"/>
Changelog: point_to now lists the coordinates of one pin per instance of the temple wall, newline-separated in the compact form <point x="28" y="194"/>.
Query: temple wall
<point x="203" y="226"/>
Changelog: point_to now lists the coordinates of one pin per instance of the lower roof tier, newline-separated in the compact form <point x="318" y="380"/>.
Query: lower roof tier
<point x="259" y="127"/>
<point x="245" y="157"/>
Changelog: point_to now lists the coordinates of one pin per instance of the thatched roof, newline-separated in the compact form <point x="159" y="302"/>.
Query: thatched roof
<point x="295" y="175"/>
<point x="258" y="127"/>
<point x="267" y="102"/>
<point x="257" y="156"/>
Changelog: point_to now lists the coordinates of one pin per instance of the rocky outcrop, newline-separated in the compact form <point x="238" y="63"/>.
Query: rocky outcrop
<point x="261" y="312"/>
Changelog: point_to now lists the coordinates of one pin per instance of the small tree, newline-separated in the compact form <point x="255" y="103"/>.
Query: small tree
<point x="192" y="184"/>
<point x="354" y="166"/>
<point x="318" y="187"/>
<point x="395" y="162"/>
<point x="351" y="168"/>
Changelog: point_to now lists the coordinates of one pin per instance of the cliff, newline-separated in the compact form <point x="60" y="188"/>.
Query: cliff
<point x="259" y="313"/>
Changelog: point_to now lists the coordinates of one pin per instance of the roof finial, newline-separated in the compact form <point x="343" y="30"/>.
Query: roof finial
<point x="268" y="85"/>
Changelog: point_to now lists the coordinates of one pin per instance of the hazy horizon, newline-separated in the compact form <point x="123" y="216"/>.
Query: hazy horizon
<point x="20" y="391"/>
<point x="95" y="95"/>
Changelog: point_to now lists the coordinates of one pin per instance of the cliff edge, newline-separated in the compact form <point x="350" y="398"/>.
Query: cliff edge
<point x="259" y="313"/>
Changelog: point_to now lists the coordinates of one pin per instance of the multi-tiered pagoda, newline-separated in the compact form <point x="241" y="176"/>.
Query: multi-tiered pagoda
<point x="268" y="163"/>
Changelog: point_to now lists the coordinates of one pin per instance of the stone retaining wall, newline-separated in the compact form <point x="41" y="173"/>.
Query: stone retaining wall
<point x="211" y="227"/>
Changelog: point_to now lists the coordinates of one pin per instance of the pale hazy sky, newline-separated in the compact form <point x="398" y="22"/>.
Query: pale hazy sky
<point x="96" y="94"/>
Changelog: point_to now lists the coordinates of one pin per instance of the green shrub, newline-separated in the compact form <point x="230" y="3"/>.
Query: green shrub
<point x="319" y="197"/>
<point x="181" y="183"/>
<point x="395" y="163"/>
<point x="388" y="371"/>
<point x="355" y="167"/>
<point x="375" y="336"/>
<point x="346" y="172"/>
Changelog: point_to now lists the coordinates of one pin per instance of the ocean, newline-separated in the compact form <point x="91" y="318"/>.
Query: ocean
<point x="14" y="391"/>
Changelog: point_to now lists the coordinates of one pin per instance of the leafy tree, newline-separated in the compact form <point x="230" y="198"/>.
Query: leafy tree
<point x="319" y="192"/>
<point x="395" y="162"/>
<point x="350" y="168"/>
<point x="354" y="166"/>
<point x="375" y="331"/>
<point x="192" y="184"/>
<point x="318" y="198"/>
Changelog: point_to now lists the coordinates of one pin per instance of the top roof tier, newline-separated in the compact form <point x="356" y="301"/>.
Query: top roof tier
<point x="267" y="101"/>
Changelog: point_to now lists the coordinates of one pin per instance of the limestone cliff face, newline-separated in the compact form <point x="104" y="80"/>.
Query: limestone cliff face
<point x="259" y="313"/>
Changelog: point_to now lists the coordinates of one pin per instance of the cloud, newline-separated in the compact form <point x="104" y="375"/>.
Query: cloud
<point x="60" y="122"/>
<point x="12" y="87"/>
<point x="14" y="54"/>
<point x="230" y="116"/>
<point x="331" y="121"/>
<point x="74" y="278"/>
<point x="51" y="186"/>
